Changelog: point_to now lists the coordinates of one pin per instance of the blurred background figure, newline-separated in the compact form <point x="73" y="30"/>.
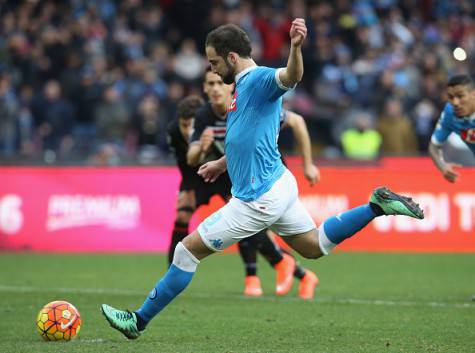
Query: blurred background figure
<point x="398" y="136"/>
<point x="54" y="117"/>
<point x="362" y="141"/>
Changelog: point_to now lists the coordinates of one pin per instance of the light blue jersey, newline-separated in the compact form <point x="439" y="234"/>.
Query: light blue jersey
<point x="253" y="125"/>
<point x="449" y="122"/>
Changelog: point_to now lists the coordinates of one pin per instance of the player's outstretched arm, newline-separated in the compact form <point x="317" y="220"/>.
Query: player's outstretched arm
<point x="300" y="131"/>
<point x="292" y="74"/>
<point x="447" y="169"/>
<point x="210" y="171"/>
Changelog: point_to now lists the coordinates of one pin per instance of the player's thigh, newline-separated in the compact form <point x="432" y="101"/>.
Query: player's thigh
<point x="235" y="221"/>
<point x="306" y="244"/>
<point x="194" y="244"/>
<point x="298" y="229"/>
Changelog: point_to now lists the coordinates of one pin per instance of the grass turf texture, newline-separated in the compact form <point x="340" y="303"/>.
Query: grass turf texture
<point x="365" y="303"/>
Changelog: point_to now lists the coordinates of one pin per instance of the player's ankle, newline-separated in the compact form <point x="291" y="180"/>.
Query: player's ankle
<point x="377" y="210"/>
<point x="141" y="323"/>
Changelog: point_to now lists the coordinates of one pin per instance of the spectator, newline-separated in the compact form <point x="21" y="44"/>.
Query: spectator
<point x="189" y="64"/>
<point x="398" y="137"/>
<point x="112" y="118"/>
<point x="54" y="118"/>
<point x="8" y="117"/>
<point x="151" y="128"/>
<point x="361" y="141"/>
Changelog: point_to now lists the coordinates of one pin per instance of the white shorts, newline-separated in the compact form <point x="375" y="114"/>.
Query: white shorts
<point x="278" y="209"/>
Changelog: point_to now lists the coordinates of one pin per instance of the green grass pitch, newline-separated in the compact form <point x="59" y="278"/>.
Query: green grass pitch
<point x="365" y="303"/>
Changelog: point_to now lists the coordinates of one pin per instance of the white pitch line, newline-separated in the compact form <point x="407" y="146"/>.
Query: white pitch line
<point x="130" y="292"/>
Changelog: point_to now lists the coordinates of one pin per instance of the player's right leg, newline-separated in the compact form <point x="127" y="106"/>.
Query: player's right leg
<point x="185" y="207"/>
<point x="186" y="258"/>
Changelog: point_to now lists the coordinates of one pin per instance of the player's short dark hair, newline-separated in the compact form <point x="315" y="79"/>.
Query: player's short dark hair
<point x="461" y="80"/>
<point x="229" y="38"/>
<point x="207" y="70"/>
<point x="188" y="106"/>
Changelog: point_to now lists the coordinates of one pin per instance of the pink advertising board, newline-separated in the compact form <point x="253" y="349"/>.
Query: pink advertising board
<point x="87" y="209"/>
<point x="133" y="209"/>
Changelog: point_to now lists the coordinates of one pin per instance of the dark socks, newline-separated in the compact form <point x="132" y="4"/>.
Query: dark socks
<point x="299" y="272"/>
<point x="266" y="247"/>
<point x="180" y="231"/>
<point x="249" y="255"/>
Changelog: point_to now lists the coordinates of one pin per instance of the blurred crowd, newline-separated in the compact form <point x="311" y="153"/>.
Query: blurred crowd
<point x="97" y="81"/>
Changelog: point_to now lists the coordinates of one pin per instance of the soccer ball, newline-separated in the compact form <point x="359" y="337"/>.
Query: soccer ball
<point x="58" y="321"/>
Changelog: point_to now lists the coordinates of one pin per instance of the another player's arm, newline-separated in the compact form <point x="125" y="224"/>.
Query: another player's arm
<point x="447" y="169"/>
<point x="292" y="74"/>
<point x="300" y="131"/>
<point x="198" y="150"/>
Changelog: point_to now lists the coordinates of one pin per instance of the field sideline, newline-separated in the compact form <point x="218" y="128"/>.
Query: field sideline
<point x="365" y="303"/>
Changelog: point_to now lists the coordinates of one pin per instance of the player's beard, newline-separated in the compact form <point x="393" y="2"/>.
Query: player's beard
<point x="228" y="78"/>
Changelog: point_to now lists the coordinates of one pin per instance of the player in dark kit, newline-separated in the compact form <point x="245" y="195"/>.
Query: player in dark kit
<point x="207" y="143"/>
<point x="179" y="133"/>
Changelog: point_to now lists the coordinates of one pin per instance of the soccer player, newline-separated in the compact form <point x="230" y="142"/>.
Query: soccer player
<point x="194" y="192"/>
<point x="264" y="192"/>
<point x="179" y="133"/>
<point x="458" y="116"/>
<point x="207" y="143"/>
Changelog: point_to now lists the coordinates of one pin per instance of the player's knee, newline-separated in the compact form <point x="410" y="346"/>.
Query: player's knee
<point x="183" y="217"/>
<point x="184" y="259"/>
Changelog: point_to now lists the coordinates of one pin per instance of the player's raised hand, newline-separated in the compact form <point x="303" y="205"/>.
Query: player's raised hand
<point x="206" y="139"/>
<point x="312" y="174"/>
<point x="298" y="32"/>
<point x="210" y="171"/>
<point x="449" y="172"/>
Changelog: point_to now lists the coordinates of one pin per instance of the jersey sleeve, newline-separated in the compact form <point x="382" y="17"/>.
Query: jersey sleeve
<point x="171" y="136"/>
<point x="199" y="126"/>
<point x="442" y="129"/>
<point x="269" y="80"/>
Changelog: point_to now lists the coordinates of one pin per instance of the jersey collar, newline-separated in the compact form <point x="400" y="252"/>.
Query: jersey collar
<point x="244" y="72"/>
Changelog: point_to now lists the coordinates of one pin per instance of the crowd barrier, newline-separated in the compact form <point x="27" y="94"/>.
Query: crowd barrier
<point x="132" y="209"/>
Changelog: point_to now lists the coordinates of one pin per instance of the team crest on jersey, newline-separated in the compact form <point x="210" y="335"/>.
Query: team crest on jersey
<point x="468" y="135"/>
<point x="232" y="106"/>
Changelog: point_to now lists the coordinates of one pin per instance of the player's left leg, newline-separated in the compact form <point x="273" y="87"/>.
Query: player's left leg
<point x="313" y="243"/>
<point x="185" y="207"/>
<point x="252" y="283"/>
<point x="284" y="264"/>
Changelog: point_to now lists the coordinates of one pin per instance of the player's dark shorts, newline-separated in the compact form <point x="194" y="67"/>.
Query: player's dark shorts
<point x="204" y="191"/>
<point x="189" y="181"/>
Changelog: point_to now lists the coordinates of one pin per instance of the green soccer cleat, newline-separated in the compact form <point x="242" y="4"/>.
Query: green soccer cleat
<point x="123" y="321"/>
<point x="394" y="204"/>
